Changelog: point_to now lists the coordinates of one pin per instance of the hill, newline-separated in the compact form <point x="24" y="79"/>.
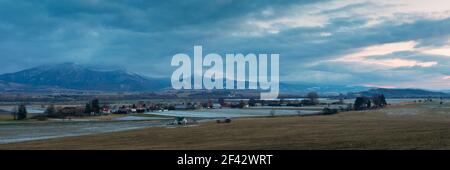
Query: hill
<point x="404" y="93"/>
<point x="70" y="76"/>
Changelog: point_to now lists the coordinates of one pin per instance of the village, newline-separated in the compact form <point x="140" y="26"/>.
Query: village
<point x="311" y="104"/>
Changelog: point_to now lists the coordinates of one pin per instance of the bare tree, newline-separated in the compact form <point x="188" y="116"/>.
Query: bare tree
<point x="14" y="112"/>
<point x="313" y="97"/>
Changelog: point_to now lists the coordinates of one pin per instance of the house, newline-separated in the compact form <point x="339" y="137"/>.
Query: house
<point x="123" y="110"/>
<point x="235" y="104"/>
<point x="106" y="111"/>
<point x="181" y="107"/>
<point x="216" y="106"/>
<point x="69" y="111"/>
<point x="184" y="106"/>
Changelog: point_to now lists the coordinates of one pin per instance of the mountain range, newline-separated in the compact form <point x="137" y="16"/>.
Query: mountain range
<point x="74" y="77"/>
<point x="70" y="77"/>
<point x="404" y="93"/>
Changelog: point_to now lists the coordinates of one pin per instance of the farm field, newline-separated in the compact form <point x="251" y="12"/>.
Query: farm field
<point x="400" y="126"/>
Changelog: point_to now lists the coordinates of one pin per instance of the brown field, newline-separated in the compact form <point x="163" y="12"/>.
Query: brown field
<point x="5" y="116"/>
<point x="407" y="126"/>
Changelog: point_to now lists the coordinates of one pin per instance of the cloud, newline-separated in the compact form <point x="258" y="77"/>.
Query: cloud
<point x="348" y="42"/>
<point x="379" y="86"/>
<point x="446" y="78"/>
<point x="441" y="51"/>
<point x="366" y="55"/>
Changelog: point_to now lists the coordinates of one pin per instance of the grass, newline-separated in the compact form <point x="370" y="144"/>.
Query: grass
<point x="9" y="117"/>
<point x="409" y="126"/>
<point x="5" y="117"/>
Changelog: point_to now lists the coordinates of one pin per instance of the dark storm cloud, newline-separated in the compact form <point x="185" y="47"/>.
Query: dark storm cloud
<point x="142" y="36"/>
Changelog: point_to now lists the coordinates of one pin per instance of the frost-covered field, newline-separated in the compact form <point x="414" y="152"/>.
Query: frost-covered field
<point x="30" y="108"/>
<point x="19" y="132"/>
<point x="220" y="113"/>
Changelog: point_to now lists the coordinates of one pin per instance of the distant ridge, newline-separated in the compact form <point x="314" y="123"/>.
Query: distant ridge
<point x="404" y="93"/>
<point x="70" y="76"/>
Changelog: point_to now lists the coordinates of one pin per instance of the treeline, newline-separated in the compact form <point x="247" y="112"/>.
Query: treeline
<point x="91" y="108"/>
<point x="361" y="103"/>
<point x="376" y="101"/>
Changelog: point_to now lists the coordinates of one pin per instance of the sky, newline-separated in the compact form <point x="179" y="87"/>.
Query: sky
<point x="374" y="43"/>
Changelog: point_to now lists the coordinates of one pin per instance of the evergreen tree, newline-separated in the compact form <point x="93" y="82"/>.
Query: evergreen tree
<point x="362" y="103"/>
<point x="21" y="112"/>
<point x="88" y="108"/>
<point x="379" y="100"/>
<point x="95" y="106"/>
<point x="383" y="100"/>
<point x="50" y="111"/>
<point x="241" y="104"/>
<point x="252" y="102"/>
